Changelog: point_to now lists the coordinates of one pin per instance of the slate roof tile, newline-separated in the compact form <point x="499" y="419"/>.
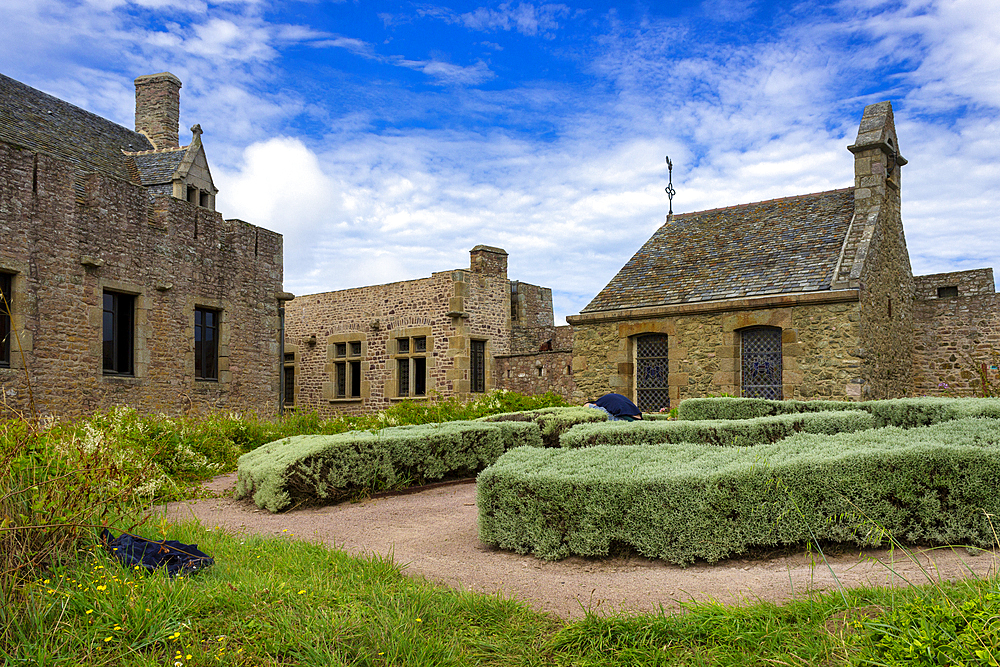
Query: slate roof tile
<point x="34" y="120"/>
<point x="770" y="247"/>
<point x="158" y="167"/>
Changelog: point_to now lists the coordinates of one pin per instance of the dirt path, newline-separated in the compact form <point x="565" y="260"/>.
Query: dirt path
<point x="434" y="534"/>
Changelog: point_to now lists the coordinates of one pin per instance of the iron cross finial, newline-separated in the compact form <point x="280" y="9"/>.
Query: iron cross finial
<point x="670" y="186"/>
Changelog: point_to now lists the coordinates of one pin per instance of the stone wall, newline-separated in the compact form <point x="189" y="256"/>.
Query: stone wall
<point x="819" y="346"/>
<point x="448" y="311"/>
<point x="955" y="333"/>
<point x="532" y="320"/>
<point x="69" y="237"/>
<point x="538" y="372"/>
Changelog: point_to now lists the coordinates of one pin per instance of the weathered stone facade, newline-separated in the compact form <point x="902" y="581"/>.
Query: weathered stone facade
<point x="956" y="331"/>
<point x="363" y="349"/>
<point x="819" y="347"/>
<point x="75" y="232"/>
<point x="825" y="276"/>
<point x="541" y="356"/>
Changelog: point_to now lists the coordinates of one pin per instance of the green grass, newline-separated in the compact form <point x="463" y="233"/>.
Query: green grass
<point x="279" y="601"/>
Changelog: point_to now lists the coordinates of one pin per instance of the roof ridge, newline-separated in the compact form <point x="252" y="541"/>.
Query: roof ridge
<point x="171" y="149"/>
<point x="764" y="201"/>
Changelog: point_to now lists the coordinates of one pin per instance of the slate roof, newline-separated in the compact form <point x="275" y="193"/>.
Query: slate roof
<point x="157" y="167"/>
<point x="34" y="120"/>
<point x="770" y="247"/>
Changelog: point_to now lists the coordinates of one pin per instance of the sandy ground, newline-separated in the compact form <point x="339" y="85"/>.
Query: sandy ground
<point x="434" y="533"/>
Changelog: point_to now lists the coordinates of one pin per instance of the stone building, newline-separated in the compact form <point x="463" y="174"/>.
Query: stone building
<point x="797" y="298"/>
<point x="455" y="333"/>
<point x="956" y="322"/>
<point x="124" y="285"/>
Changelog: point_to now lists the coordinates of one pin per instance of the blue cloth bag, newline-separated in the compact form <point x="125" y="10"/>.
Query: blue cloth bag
<point x="177" y="557"/>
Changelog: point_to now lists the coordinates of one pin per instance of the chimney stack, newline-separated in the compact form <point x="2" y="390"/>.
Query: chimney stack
<point x="158" y="108"/>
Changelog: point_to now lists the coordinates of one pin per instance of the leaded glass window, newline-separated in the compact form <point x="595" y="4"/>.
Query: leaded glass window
<point x="478" y="365"/>
<point x="651" y="388"/>
<point x="760" y="363"/>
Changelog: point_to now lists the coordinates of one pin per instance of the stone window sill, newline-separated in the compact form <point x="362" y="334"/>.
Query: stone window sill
<point x="408" y="398"/>
<point x="354" y="399"/>
<point x="122" y="379"/>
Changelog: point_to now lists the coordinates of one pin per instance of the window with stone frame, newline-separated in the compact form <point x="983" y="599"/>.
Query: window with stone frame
<point x="118" y="327"/>
<point x="477" y="366"/>
<point x="6" y="308"/>
<point x="411" y="369"/>
<point x="347" y="378"/>
<point x="206" y="344"/>
<point x="760" y="363"/>
<point x="652" y="391"/>
<point x="289" y="378"/>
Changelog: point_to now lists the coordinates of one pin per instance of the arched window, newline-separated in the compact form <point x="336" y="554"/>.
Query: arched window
<point x="651" y="389"/>
<point x="760" y="362"/>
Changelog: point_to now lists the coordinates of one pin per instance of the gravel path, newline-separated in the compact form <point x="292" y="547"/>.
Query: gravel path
<point x="434" y="534"/>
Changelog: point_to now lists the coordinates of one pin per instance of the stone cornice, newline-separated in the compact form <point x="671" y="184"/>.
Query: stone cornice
<point x="699" y="307"/>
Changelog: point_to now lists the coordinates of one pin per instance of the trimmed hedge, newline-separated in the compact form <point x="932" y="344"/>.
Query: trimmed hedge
<point x="684" y="502"/>
<point x="903" y="412"/>
<point x="731" y="432"/>
<point x="328" y="468"/>
<point x="552" y="422"/>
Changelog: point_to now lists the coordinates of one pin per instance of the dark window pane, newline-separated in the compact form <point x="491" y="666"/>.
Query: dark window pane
<point x="478" y="366"/>
<point x="419" y="376"/>
<point x="420" y="344"/>
<point x="760" y="363"/>
<point x="402" y="345"/>
<point x="404" y="377"/>
<point x="289" y="385"/>
<point x="355" y="379"/>
<point x="341" y="349"/>
<point x="6" y="307"/>
<point x="341" y="379"/>
<point x="118" y="333"/>
<point x="206" y="344"/>
<point x="356" y="349"/>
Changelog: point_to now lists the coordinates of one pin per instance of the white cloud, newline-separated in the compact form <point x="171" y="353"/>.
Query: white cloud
<point x="524" y="18"/>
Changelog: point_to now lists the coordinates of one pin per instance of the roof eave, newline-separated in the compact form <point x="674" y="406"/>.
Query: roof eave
<point x="786" y="300"/>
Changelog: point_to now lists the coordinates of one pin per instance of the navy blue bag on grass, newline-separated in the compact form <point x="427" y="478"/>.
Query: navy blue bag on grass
<point x="177" y="557"/>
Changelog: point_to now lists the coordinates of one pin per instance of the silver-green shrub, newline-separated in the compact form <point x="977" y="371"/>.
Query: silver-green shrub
<point x="903" y="412"/>
<point x="731" y="432"/>
<point x="933" y="485"/>
<point x="552" y="422"/>
<point x="328" y="468"/>
<point x="696" y="409"/>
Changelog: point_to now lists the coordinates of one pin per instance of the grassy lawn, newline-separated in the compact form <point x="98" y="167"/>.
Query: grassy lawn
<point x="280" y="601"/>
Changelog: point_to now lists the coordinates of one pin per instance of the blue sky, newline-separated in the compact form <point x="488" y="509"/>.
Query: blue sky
<point x="386" y="139"/>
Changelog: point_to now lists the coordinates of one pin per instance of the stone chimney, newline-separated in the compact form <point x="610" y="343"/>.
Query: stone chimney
<point x="876" y="159"/>
<point x="489" y="261"/>
<point x="158" y="108"/>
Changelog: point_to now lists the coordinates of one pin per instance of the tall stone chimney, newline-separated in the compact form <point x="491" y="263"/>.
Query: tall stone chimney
<point x="876" y="159"/>
<point x="158" y="108"/>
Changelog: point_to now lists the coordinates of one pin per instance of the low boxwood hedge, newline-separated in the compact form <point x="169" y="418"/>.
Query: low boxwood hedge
<point x="552" y="422"/>
<point x="328" y="468"/>
<point x="933" y="485"/>
<point x="731" y="432"/>
<point x="903" y="412"/>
